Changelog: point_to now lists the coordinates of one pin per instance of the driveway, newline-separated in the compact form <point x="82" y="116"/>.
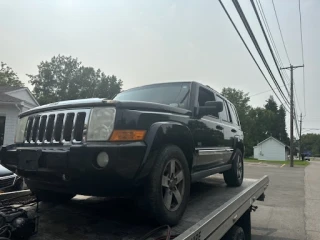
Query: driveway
<point x="281" y="216"/>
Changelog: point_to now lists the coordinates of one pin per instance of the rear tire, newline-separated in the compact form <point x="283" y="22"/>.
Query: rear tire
<point x="52" y="197"/>
<point x="235" y="233"/>
<point x="168" y="186"/>
<point x="234" y="176"/>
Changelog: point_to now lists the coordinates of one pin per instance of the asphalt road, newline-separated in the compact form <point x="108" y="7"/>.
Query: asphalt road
<point x="282" y="215"/>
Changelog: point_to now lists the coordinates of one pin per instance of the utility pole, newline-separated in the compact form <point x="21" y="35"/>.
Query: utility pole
<point x="291" y="111"/>
<point x="300" y="136"/>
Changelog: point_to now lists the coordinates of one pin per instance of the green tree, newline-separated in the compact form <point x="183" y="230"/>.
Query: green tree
<point x="271" y="116"/>
<point x="271" y="105"/>
<point x="311" y="142"/>
<point x="8" y="77"/>
<point x="239" y="99"/>
<point x="283" y="135"/>
<point x="257" y="123"/>
<point x="65" y="78"/>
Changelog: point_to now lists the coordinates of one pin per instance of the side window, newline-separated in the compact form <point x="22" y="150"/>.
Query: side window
<point x="225" y="113"/>
<point x="205" y="96"/>
<point x="236" y="114"/>
<point x="233" y="114"/>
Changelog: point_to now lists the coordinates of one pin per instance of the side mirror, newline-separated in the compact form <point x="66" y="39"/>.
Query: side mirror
<point x="210" y="108"/>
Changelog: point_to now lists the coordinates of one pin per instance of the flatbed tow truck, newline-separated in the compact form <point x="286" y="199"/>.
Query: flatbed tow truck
<point x="214" y="211"/>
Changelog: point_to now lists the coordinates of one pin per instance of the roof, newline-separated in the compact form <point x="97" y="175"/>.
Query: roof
<point x="4" y="89"/>
<point x="5" y="96"/>
<point x="8" y="99"/>
<point x="273" y="139"/>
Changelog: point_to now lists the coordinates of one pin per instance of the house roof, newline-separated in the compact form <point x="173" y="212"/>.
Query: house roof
<point x="4" y="89"/>
<point x="273" y="139"/>
<point x="8" y="99"/>
<point x="5" y="95"/>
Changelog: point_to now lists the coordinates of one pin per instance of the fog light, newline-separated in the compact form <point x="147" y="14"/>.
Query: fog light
<point x="102" y="159"/>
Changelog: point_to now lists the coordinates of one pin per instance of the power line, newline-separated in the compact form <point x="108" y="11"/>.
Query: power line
<point x="296" y="122"/>
<point x="271" y="37"/>
<point x="275" y="11"/>
<point x="272" y="40"/>
<point x="302" y="53"/>
<point x="235" y="27"/>
<point x="259" y="93"/>
<point x="260" y="7"/>
<point x="296" y="95"/>
<point x="269" y="46"/>
<point x="255" y="42"/>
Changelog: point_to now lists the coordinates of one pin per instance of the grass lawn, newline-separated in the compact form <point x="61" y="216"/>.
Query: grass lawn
<point x="296" y="162"/>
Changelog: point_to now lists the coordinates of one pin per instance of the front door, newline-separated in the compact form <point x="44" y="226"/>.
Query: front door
<point x="2" y="127"/>
<point x="208" y="136"/>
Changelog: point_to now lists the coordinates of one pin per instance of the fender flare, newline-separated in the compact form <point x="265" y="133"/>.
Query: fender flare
<point x="161" y="133"/>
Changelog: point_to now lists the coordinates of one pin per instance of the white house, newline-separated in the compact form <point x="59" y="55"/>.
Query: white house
<point x="271" y="149"/>
<point x="13" y="101"/>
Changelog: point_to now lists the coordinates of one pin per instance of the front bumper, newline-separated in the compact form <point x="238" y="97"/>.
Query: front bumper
<point x="71" y="169"/>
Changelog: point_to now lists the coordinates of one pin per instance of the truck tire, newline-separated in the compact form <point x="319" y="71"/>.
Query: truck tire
<point x="234" y="176"/>
<point x="52" y="197"/>
<point x="235" y="233"/>
<point x="168" y="186"/>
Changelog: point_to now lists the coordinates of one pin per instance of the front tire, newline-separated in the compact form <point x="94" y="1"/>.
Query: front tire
<point x="234" y="176"/>
<point x="168" y="186"/>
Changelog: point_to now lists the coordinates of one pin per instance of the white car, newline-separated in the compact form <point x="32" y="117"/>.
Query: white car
<point x="307" y="158"/>
<point x="9" y="180"/>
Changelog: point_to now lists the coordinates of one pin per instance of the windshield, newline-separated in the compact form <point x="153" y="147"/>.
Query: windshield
<point x="173" y="94"/>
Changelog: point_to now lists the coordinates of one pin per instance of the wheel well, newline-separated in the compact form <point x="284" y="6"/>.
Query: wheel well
<point x="185" y="148"/>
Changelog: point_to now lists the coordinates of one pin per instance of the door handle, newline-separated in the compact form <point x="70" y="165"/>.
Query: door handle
<point x="219" y="127"/>
<point x="233" y="130"/>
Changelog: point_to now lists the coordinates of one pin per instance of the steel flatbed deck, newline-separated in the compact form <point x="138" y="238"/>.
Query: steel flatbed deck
<point x="212" y="210"/>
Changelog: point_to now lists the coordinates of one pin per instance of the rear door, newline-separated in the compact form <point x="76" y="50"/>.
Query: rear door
<point x="228" y="128"/>
<point x="208" y="135"/>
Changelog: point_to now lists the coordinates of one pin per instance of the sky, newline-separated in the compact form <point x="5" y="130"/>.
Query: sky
<point x="147" y="41"/>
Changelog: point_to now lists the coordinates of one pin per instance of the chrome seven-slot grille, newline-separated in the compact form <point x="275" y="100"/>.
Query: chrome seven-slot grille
<point x="68" y="126"/>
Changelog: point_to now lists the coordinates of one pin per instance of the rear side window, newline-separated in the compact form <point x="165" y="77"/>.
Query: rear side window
<point x="225" y="112"/>
<point x="234" y="115"/>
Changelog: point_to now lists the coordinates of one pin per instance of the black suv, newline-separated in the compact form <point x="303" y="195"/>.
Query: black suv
<point x="150" y="142"/>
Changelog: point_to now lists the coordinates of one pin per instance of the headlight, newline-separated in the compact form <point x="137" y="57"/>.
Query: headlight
<point x="101" y="124"/>
<point x="21" y="128"/>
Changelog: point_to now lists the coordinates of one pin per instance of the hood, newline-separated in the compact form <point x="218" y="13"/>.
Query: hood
<point x="92" y="102"/>
<point x="89" y="102"/>
<point x="150" y="106"/>
<point x="4" y="171"/>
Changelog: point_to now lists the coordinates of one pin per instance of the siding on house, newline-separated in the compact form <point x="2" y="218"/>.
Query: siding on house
<point x="13" y="101"/>
<point x="11" y="114"/>
<point x="270" y="149"/>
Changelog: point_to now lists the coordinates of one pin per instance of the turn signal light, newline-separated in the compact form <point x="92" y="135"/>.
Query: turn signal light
<point x="128" y="135"/>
